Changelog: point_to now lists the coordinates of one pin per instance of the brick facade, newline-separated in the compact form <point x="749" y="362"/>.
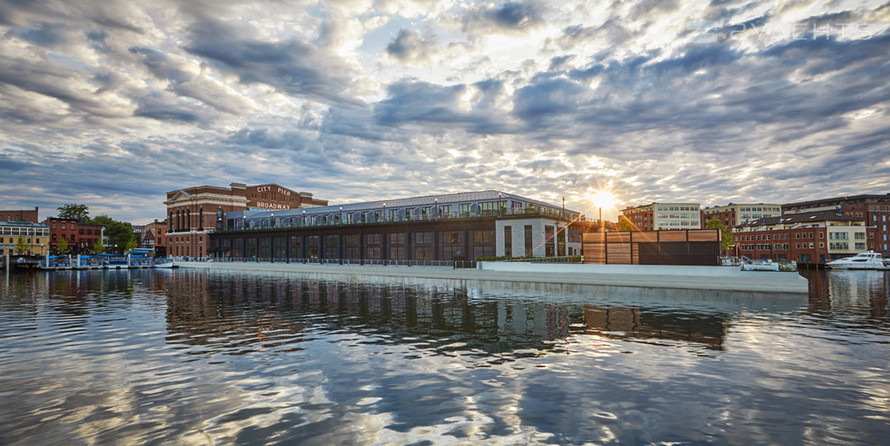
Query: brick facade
<point x="193" y="213"/>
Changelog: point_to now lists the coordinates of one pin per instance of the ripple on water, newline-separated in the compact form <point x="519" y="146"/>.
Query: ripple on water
<point x="211" y="357"/>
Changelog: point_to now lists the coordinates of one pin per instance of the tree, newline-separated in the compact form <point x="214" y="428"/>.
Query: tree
<point x="625" y="225"/>
<point x="62" y="246"/>
<point x="119" y="233"/>
<point x="20" y="246"/>
<point x="727" y="240"/>
<point x="78" y="212"/>
<point x="99" y="248"/>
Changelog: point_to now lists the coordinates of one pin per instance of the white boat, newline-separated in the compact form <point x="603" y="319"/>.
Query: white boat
<point x="163" y="263"/>
<point x="863" y="260"/>
<point x="760" y="265"/>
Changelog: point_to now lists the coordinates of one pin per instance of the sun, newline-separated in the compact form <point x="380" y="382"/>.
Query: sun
<point x="602" y="199"/>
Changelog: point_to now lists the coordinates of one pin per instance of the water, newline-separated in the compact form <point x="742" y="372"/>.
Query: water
<point x="196" y="357"/>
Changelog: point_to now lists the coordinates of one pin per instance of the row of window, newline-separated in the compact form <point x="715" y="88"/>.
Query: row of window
<point x="785" y="246"/>
<point x="13" y="240"/>
<point x="391" y="246"/>
<point x="24" y="231"/>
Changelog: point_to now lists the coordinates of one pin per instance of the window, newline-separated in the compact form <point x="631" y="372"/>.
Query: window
<point x="352" y="250"/>
<point x="423" y="246"/>
<point x="508" y="241"/>
<point x="332" y="246"/>
<point x="452" y="245"/>
<point x="373" y="246"/>
<point x="397" y="246"/>
<point x="528" y="240"/>
<point x="483" y="243"/>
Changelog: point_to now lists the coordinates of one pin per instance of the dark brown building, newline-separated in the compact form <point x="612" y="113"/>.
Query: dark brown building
<point x="194" y="212"/>
<point x="81" y="238"/>
<point x="25" y="215"/>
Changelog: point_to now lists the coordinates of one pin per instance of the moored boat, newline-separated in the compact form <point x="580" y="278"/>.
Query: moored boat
<point x="865" y="260"/>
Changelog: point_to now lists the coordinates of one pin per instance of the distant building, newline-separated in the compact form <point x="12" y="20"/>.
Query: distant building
<point x="88" y="236"/>
<point x="873" y="209"/>
<point x="34" y="236"/>
<point x="735" y="214"/>
<point x="26" y="215"/>
<point x="664" y="216"/>
<point x="459" y="226"/>
<point x="154" y="238"/>
<point x="807" y="238"/>
<point x="194" y="212"/>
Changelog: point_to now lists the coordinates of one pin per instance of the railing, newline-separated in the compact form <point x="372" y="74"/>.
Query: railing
<point x="554" y="259"/>
<point x="358" y="262"/>
<point x="335" y="219"/>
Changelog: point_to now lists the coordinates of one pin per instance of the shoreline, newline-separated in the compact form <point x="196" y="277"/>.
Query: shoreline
<point x="638" y="276"/>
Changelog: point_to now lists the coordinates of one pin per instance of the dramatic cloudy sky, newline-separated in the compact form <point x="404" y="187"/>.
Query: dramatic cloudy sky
<point x="111" y="103"/>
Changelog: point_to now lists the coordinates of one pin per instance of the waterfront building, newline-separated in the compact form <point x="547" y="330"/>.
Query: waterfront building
<point x="62" y="228"/>
<point x="154" y="238"/>
<point x="806" y="238"/>
<point x="459" y="226"/>
<point x="194" y="212"/>
<point x="20" y="215"/>
<point x="664" y="216"/>
<point x="873" y="209"/>
<point x="88" y="236"/>
<point x="34" y="236"/>
<point x="734" y="214"/>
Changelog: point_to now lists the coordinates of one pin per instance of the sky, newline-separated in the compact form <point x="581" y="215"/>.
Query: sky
<point x="113" y="103"/>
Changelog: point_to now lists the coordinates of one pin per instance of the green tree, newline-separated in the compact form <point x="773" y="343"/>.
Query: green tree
<point x="119" y="233"/>
<point x="99" y="248"/>
<point x="62" y="246"/>
<point x="20" y="246"/>
<point x="625" y="225"/>
<point x="727" y="240"/>
<point x="78" y="212"/>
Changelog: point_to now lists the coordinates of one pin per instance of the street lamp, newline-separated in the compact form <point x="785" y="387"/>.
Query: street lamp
<point x="437" y="208"/>
<point x="272" y="220"/>
<point x="384" y="212"/>
<point x="341" y="215"/>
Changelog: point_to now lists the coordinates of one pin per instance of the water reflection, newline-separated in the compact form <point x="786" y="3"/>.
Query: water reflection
<point x="487" y="320"/>
<point x="191" y="356"/>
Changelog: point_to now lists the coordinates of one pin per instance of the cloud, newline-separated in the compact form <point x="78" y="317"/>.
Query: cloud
<point x="291" y="66"/>
<point x="410" y="47"/>
<point x="351" y="100"/>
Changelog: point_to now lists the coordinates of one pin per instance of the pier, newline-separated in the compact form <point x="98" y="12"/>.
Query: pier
<point x="648" y="276"/>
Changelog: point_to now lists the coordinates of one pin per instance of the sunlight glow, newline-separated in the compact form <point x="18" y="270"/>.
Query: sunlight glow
<point x="603" y="199"/>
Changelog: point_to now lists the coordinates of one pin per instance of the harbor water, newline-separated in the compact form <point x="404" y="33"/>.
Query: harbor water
<point x="219" y="357"/>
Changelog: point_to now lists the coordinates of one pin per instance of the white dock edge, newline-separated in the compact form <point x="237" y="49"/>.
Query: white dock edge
<point x="647" y="276"/>
<point x="664" y="276"/>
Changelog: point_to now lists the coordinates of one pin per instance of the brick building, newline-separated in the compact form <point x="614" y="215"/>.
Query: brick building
<point x="20" y="215"/>
<point x="806" y="238"/>
<point x="154" y="237"/>
<point x="456" y="226"/>
<point x="192" y="213"/>
<point x="735" y="214"/>
<point x="664" y="216"/>
<point x="874" y="210"/>
<point x="81" y="237"/>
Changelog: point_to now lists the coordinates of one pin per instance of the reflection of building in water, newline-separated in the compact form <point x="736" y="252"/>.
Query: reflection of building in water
<point x="207" y="307"/>
<point x="439" y="316"/>
<point x="859" y="292"/>
<point x="638" y="323"/>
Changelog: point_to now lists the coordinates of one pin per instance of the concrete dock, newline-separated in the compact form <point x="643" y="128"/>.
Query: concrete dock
<point x="646" y="276"/>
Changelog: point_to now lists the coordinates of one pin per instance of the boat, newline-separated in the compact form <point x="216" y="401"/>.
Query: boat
<point x="747" y="264"/>
<point x="864" y="260"/>
<point x="164" y="263"/>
